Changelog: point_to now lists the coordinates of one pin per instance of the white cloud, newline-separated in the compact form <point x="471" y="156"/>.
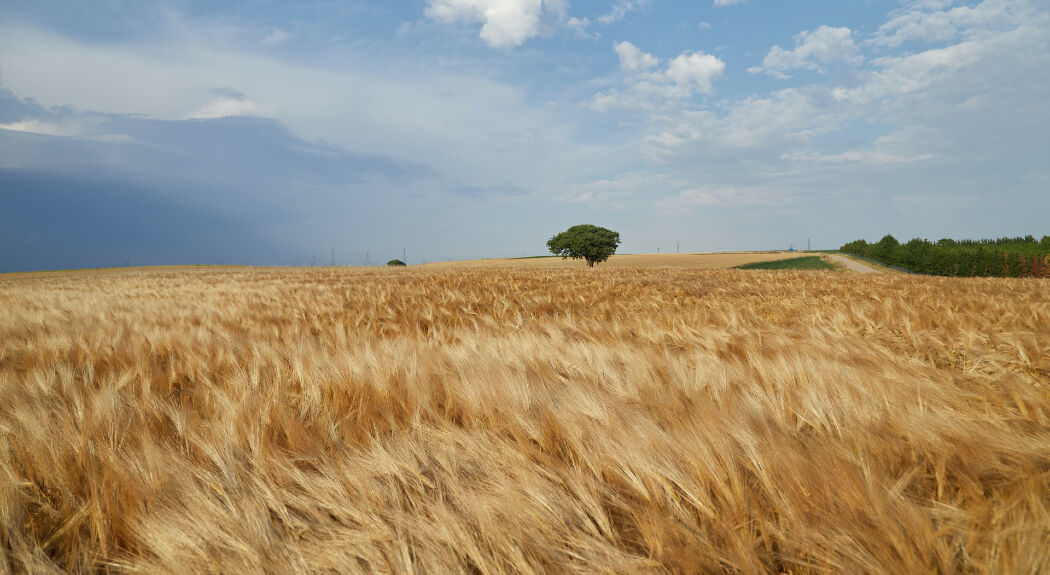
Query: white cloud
<point x="727" y="2"/>
<point x="937" y="21"/>
<point x="695" y="71"/>
<point x="633" y="60"/>
<point x="962" y="113"/>
<point x="647" y="89"/>
<point x="622" y="9"/>
<point x="43" y="128"/>
<point x="579" y="26"/>
<point x="813" y="50"/>
<point x="504" y="22"/>
<point x="754" y="126"/>
<point x="224" y="107"/>
<point x="441" y="119"/>
<point x="897" y="77"/>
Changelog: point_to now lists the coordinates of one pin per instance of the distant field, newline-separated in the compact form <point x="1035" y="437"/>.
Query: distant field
<point x="523" y="420"/>
<point x="797" y="263"/>
<point x="684" y="261"/>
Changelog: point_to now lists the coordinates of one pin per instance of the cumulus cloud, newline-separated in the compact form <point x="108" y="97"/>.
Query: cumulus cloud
<point x="684" y="76"/>
<point x="813" y="51"/>
<point x="727" y="2"/>
<point x="633" y="60"/>
<point x="504" y="23"/>
<point x="955" y="110"/>
<point x="695" y="71"/>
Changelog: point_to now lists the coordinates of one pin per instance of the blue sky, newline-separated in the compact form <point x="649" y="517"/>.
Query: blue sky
<point x="273" y="133"/>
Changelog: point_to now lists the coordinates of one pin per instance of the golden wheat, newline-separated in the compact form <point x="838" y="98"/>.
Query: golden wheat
<point x="523" y="420"/>
<point x="708" y="261"/>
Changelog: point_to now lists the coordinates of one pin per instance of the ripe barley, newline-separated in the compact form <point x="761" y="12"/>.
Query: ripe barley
<point x="526" y="420"/>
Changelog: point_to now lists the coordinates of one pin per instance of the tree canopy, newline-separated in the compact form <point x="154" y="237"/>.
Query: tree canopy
<point x="1005" y="257"/>
<point x="592" y="243"/>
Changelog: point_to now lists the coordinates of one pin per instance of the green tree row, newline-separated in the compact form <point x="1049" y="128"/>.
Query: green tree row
<point x="1003" y="257"/>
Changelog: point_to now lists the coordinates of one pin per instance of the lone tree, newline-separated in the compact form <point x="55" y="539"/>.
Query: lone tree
<point x="395" y="263"/>
<point x="592" y="243"/>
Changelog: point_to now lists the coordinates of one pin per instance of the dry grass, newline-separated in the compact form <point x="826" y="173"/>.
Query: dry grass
<point x="712" y="261"/>
<point x="523" y="420"/>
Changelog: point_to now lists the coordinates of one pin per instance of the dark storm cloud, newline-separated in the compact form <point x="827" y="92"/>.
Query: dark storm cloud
<point x="168" y="192"/>
<point x="53" y="221"/>
<point x="13" y="108"/>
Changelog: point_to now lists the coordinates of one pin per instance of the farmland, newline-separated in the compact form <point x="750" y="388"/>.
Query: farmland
<point x="707" y="261"/>
<point x="797" y="263"/>
<point x="523" y="418"/>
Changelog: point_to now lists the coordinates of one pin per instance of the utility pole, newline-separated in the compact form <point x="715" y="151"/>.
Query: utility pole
<point x="368" y="260"/>
<point x="677" y="248"/>
<point x="403" y="258"/>
<point x="657" y="251"/>
<point x="807" y="245"/>
<point x="333" y="257"/>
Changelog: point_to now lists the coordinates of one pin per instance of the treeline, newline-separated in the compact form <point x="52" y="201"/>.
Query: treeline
<point x="1003" y="257"/>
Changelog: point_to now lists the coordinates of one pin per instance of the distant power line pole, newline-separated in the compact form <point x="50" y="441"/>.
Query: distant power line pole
<point x="368" y="259"/>
<point x="677" y="248"/>
<point x="404" y="258"/>
<point x="657" y="250"/>
<point x="333" y="257"/>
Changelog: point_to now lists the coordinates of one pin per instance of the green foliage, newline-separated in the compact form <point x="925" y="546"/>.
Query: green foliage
<point x="1002" y="257"/>
<point x="592" y="243"/>
<point x="803" y="263"/>
<point x="396" y="263"/>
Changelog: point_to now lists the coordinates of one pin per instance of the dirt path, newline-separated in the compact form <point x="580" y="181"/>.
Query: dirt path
<point x="852" y="264"/>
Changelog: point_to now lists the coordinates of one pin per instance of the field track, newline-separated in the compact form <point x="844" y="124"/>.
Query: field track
<point x="523" y="420"/>
<point x="852" y="264"/>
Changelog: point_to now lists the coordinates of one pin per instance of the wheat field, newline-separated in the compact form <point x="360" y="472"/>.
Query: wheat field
<point x="700" y="261"/>
<point x="518" y="420"/>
